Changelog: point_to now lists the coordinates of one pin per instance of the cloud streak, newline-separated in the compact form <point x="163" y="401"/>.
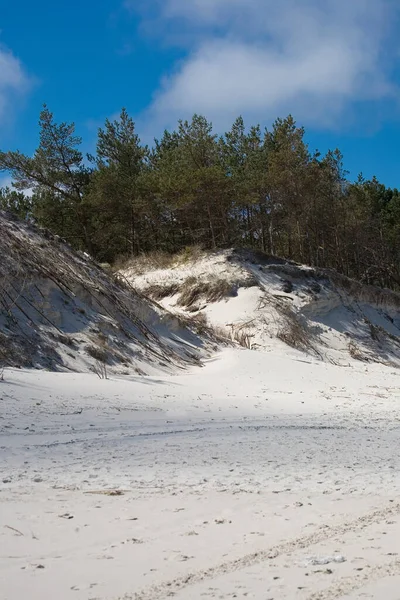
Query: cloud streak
<point x="263" y="58"/>
<point x="13" y="81"/>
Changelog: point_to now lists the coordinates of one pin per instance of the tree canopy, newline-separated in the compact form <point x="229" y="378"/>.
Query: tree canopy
<point x="250" y="187"/>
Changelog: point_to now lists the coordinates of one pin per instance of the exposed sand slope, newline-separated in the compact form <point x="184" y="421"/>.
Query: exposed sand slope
<point x="61" y="311"/>
<point x="256" y="299"/>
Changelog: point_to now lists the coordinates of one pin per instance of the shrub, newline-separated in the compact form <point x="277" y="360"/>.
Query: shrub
<point x="355" y="352"/>
<point x="193" y="290"/>
<point x="100" y="369"/>
<point x="294" y="333"/>
<point x="99" y="354"/>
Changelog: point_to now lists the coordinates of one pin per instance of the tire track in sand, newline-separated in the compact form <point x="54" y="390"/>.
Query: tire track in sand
<point x="169" y="588"/>
<point x="346" y="585"/>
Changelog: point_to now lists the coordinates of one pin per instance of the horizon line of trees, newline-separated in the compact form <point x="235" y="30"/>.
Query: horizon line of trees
<point x="257" y="188"/>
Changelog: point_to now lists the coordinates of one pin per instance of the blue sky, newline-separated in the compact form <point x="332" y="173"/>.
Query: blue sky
<point x="334" y="64"/>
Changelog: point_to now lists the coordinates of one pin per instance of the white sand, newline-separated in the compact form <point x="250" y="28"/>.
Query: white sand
<point x="253" y="477"/>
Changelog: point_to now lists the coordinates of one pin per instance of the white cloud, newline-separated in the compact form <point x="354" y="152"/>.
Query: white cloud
<point x="264" y="58"/>
<point x="13" y="80"/>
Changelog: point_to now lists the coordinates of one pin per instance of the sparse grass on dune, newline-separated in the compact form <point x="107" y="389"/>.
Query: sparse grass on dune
<point x="157" y="259"/>
<point x="193" y="290"/>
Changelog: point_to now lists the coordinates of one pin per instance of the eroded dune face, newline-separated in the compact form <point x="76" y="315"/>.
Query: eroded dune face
<point x="259" y="301"/>
<point x="61" y="311"/>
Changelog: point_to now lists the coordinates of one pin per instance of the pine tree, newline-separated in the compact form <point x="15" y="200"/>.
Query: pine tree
<point x="115" y="192"/>
<point x="245" y="158"/>
<point x="193" y="183"/>
<point x="16" y="202"/>
<point x="56" y="171"/>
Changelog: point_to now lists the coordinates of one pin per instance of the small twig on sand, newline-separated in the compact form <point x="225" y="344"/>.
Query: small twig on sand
<point x="13" y="529"/>
<point x="106" y="492"/>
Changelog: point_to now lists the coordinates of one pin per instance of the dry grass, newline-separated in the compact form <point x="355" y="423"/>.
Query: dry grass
<point x="157" y="291"/>
<point x="294" y="332"/>
<point x="157" y="259"/>
<point x="64" y="339"/>
<point x="356" y="352"/>
<point x="238" y="334"/>
<point x="99" y="354"/>
<point x="16" y="350"/>
<point x="200" y="325"/>
<point x="144" y="262"/>
<point x="192" y="290"/>
<point x="354" y="289"/>
<point x="107" y="350"/>
<point x="360" y="291"/>
<point x="100" y="369"/>
<point x="242" y="337"/>
<point x="387" y="334"/>
<point x="189" y="254"/>
<point x="374" y="330"/>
